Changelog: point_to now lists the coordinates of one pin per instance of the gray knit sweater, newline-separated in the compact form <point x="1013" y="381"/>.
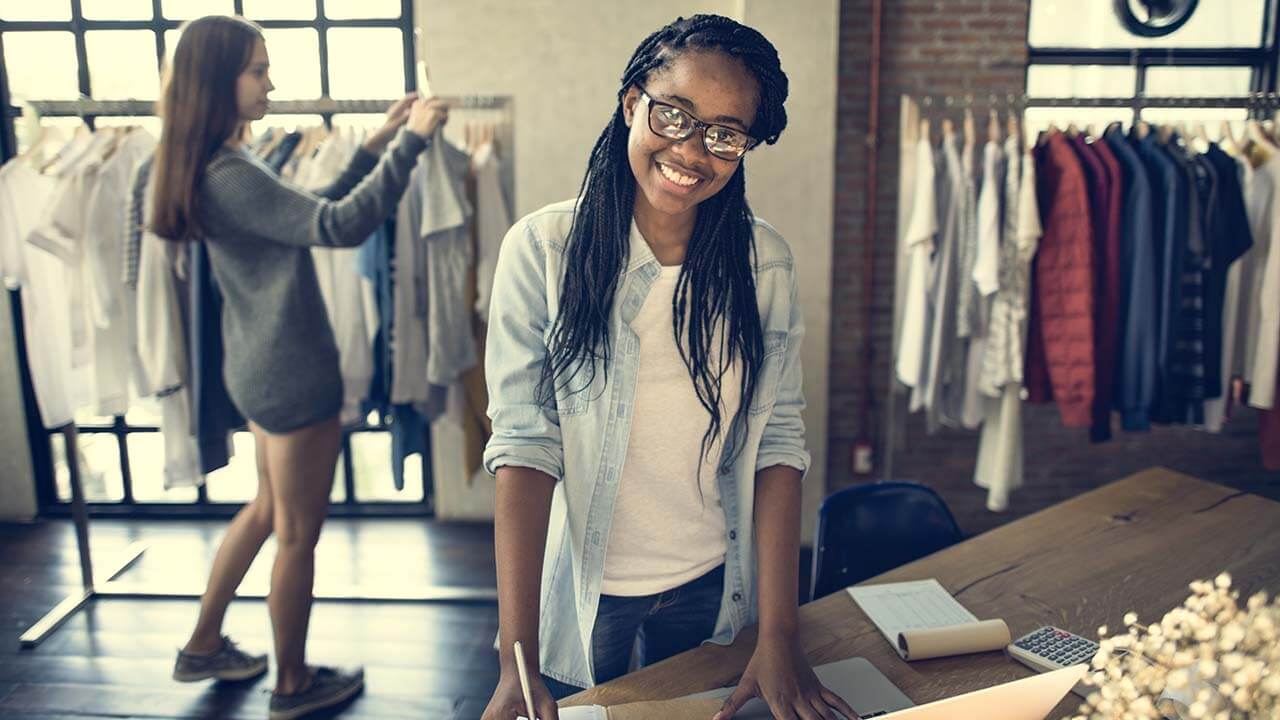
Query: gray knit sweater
<point x="281" y="365"/>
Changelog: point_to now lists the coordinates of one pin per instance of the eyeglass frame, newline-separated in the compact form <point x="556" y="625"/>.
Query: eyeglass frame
<point x="697" y="125"/>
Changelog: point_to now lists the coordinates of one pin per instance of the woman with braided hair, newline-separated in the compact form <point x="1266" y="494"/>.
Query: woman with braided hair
<point x="645" y="390"/>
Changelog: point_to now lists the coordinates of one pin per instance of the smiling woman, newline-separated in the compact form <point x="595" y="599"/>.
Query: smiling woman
<point x="643" y="363"/>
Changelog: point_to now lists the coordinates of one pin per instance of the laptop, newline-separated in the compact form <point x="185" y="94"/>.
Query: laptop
<point x="873" y="695"/>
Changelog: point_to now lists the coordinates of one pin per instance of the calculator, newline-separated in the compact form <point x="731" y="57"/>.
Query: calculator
<point x="1051" y="648"/>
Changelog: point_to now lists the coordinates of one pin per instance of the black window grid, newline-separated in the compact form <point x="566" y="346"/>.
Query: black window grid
<point x="1261" y="60"/>
<point x="40" y="437"/>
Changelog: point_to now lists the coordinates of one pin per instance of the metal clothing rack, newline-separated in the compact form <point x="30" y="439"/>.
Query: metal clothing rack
<point x="109" y="584"/>
<point x="1259" y="104"/>
<point x="87" y="107"/>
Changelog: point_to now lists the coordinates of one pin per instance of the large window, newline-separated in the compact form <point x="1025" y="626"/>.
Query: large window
<point x="1081" y="49"/>
<point x="112" y="50"/>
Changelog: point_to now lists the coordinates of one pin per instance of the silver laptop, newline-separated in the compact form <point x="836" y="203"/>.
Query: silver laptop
<point x="872" y="695"/>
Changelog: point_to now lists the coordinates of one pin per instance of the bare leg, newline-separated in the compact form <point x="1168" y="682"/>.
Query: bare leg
<point x="245" y="535"/>
<point x="301" y="464"/>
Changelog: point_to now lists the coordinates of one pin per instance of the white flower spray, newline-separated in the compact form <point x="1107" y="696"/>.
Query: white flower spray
<point x="1211" y="658"/>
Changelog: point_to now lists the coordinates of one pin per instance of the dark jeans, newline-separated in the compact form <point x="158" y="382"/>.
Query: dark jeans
<point x="667" y="623"/>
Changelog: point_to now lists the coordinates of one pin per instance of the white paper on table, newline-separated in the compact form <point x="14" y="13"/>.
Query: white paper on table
<point x="915" y="605"/>
<point x="581" y="712"/>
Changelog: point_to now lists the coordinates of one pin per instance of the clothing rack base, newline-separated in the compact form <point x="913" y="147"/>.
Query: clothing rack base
<point x="114" y="587"/>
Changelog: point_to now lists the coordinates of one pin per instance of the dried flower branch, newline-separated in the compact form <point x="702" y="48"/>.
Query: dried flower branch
<point x="1210" y="658"/>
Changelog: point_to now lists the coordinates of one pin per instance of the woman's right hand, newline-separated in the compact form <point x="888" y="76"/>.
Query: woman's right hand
<point x="427" y="115"/>
<point x="507" y="702"/>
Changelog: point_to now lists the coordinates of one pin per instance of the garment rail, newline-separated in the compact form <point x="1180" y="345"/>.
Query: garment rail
<point x="1258" y="102"/>
<point x="1260" y="105"/>
<point x="110" y="584"/>
<point x="323" y="106"/>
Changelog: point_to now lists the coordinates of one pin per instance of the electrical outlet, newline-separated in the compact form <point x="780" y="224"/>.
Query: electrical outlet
<point x="862" y="464"/>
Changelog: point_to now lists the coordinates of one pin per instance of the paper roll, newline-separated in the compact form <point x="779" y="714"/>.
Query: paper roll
<point x="983" y="636"/>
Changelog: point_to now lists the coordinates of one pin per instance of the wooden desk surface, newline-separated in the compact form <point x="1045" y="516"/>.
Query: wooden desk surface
<point x="1132" y="545"/>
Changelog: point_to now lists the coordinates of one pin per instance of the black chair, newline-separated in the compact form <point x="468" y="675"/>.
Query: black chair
<point x="868" y="529"/>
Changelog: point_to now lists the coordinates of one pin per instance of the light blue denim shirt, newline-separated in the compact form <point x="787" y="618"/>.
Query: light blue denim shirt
<point x="582" y="439"/>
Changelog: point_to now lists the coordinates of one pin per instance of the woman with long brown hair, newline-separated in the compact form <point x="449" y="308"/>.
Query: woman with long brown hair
<point x="281" y="362"/>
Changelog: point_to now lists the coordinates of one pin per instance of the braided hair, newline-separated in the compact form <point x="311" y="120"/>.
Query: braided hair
<point x="715" y="297"/>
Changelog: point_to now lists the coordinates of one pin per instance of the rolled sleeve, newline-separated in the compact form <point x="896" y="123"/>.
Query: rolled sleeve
<point x="783" y="441"/>
<point x="526" y="432"/>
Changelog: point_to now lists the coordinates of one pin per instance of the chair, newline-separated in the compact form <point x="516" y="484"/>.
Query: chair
<point x="868" y="529"/>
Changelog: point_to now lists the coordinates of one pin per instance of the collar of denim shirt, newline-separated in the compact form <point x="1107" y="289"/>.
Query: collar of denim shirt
<point x="641" y="253"/>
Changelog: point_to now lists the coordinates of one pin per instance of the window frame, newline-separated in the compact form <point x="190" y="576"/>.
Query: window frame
<point x="39" y="437"/>
<point x="1261" y="60"/>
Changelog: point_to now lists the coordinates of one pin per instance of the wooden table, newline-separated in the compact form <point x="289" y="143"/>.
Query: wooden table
<point x="1132" y="545"/>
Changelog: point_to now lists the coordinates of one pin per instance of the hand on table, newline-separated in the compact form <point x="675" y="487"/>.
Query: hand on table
<point x="779" y="674"/>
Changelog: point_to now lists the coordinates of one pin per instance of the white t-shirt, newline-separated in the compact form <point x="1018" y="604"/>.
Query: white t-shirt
<point x="24" y="197"/>
<point x="668" y="526"/>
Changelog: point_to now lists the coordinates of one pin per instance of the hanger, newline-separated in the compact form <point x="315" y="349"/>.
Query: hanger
<point x="272" y="142"/>
<point x="924" y="130"/>
<point x="1141" y="129"/>
<point x="114" y="137"/>
<point x="77" y="142"/>
<point x="1091" y="131"/>
<point x="1200" y="138"/>
<point x="993" y="127"/>
<point x="1253" y="131"/>
<point x="1227" y="139"/>
<point x="910" y="117"/>
<point x="948" y="127"/>
<point x="1073" y="130"/>
<point x="32" y="154"/>
<point x="970" y="128"/>
<point x="31" y="118"/>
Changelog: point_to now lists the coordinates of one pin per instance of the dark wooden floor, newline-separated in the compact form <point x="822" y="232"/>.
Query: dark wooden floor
<point x="113" y="659"/>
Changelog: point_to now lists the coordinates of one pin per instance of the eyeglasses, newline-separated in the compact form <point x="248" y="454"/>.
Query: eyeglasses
<point x="669" y="121"/>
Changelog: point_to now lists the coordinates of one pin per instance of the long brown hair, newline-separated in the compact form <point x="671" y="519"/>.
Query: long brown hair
<point x="200" y="113"/>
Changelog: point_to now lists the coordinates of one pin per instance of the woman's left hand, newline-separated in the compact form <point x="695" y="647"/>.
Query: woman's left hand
<point x="779" y="673"/>
<point x="397" y="114"/>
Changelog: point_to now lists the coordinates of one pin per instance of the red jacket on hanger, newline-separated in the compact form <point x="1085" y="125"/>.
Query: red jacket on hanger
<point x="1062" y="319"/>
<point x="1107" y="283"/>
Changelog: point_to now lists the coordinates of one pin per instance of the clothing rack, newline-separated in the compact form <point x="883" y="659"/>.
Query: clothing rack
<point x="109" y="584"/>
<point x="88" y="107"/>
<point x="1257" y="103"/>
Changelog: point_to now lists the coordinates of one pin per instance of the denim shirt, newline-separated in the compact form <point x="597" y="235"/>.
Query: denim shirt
<point x="582" y="438"/>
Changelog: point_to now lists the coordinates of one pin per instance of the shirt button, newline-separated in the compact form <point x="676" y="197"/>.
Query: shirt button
<point x="737" y="597"/>
<point x="733" y="534"/>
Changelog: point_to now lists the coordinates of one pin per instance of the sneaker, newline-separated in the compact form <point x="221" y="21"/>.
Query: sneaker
<point x="328" y="687"/>
<point x="229" y="663"/>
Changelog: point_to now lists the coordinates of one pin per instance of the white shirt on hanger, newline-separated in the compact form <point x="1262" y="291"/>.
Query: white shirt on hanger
<point x="986" y="269"/>
<point x="1263" y="390"/>
<point x="341" y="285"/>
<point x="918" y="242"/>
<point x="24" y="194"/>
<point x="107" y="302"/>
<point x="493" y="219"/>
<point x="432" y="342"/>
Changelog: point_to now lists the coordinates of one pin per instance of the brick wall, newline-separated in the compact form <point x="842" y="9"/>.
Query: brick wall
<point x="956" y="47"/>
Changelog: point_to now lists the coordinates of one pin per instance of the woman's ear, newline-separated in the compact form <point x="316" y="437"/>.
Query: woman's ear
<point x="629" y="101"/>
